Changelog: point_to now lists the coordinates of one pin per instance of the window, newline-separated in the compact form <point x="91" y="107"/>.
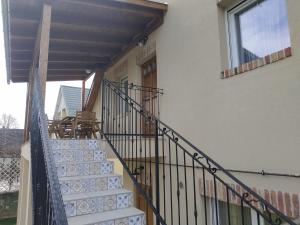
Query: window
<point x="257" y="28"/>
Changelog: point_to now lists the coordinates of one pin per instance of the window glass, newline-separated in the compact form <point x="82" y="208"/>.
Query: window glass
<point x="259" y="29"/>
<point x="235" y="214"/>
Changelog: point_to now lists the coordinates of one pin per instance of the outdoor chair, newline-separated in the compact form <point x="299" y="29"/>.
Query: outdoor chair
<point x="86" y="124"/>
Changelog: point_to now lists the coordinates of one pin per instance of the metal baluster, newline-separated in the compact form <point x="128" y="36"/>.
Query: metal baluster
<point x="228" y="205"/>
<point x="242" y="212"/>
<point x="204" y="195"/>
<point x="186" y="187"/>
<point x="157" y="189"/>
<point x="171" y="184"/>
<point x="164" y="174"/>
<point x="216" y="201"/>
<point x="194" y="191"/>
<point x="178" y="187"/>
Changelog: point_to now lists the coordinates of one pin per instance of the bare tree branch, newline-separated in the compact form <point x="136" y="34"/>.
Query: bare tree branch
<point x="8" y="121"/>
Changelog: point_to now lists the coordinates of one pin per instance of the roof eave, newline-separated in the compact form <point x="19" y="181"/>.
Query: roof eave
<point x="148" y="3"/>
<point x="6" y="31"/>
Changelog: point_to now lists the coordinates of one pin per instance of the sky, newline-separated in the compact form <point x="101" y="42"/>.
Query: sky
<point x="13" y="95"/>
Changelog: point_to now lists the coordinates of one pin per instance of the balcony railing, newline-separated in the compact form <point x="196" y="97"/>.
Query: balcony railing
<point x="47" y="203"/>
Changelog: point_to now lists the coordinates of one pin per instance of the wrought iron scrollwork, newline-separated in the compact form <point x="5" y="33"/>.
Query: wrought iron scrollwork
<point x="174" y="160"/>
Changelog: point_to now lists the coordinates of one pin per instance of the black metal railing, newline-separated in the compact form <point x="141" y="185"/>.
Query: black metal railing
<point x="147" y="97"/>
<point x="188" y="187"/>
<point x="47" y="203"/>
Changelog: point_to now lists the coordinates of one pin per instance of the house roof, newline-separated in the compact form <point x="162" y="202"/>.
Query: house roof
<point x="84" y="35"/>
<point x="11" y="141"/>
<point x="71" y="95"/>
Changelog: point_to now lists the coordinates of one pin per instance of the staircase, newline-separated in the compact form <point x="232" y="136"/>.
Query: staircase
<point x="92" y="193"/>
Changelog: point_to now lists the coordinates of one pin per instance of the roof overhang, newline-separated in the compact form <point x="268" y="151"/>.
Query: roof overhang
<point x="85" y="35"/>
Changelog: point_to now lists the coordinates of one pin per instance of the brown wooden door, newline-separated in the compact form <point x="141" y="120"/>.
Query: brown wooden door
<point x="149" y="98"/>
<point x="142" y="205"/>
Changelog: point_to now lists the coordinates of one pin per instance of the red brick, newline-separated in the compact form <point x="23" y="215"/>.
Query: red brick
<point x="254" y="64"/>
<point x="281" y="54"/>
<point x="250" y="65"/>
<point x="273" y="199"/>
<point x="224" y="192"/>
<point x="207" y="189"/>
<point x="211" y="188"/>
<point x="255" y="203"/>
<point x="226" y="73"/>
<point x="295" y="200"/>
<point x="241" y="69"/>
<point x="238" y="190"/>
<point x="288" y="52"/>
<point x="201" y="186"/>
<point x="267" y="196"/>
<point x="267" y="59"/>
<point x="233" y="194"/>
<point x="280" y="201"/>
<point x="287" y="199"/>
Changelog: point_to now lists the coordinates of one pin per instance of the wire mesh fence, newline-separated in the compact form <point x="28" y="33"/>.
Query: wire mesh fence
<point x="9" y="174"/>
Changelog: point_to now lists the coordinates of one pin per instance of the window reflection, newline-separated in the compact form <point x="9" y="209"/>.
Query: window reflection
<point x="263" y="29"/>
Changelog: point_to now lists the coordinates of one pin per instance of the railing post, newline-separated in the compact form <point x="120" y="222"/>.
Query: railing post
<point x="157" y="173"/>
<point x="103" y="108"/>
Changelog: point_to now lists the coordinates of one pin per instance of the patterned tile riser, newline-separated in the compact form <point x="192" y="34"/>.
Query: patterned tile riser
<point x="75" y="144"/>
<point x="82" y="169"/>
<point x="133" y="220"/>
<point x="91" y="185"/>
<point x="98" y="204"/>
<point x="79" y="156"/>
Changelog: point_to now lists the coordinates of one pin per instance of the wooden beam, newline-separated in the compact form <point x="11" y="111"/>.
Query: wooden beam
<point x="69" y="72"/>
<point x="145" y="3"/>
<point x="88" y="43"/>
<point x="90" y="101"/>
<point x="40" y="58"/>
<point x="84" y="24"/>
<point x="79" y="53"/>
<point x="44" y="47"/>
<point x="70" y="47"/>
<point x="105" y="6"/>
<point x="83" y="95"/>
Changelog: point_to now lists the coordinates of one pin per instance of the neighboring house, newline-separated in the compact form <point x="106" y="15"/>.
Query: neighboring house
<point x="229" y="70"/>
<point x="68" y="101"/>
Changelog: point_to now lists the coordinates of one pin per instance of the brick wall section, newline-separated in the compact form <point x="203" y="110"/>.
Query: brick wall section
<point x="287" y="203"/>
<point x="274" y="57"/>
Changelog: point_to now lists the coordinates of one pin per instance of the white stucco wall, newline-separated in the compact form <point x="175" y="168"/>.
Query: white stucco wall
<point x="247" y="122"/>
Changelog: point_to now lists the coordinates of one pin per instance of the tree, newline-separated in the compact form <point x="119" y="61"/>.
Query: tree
<point x="8" y="121"/>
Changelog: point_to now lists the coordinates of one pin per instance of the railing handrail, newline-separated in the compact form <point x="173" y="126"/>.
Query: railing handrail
<point x="212" y="165"/>
<point x="139" y="87"/>
<point x="57" y="208"/>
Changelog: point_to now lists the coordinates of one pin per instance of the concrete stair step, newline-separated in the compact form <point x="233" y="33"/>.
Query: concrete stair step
<point x="83" y="204"/>
<point x="85" y="168"/>
<point x="90" y="183"/>
<point x="127" y="216"/>
<point x="62" y="156"/>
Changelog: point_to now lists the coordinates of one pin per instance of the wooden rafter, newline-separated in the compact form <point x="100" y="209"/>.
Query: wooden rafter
<point x="85" y="34"/>
<point x="91" y="99"/>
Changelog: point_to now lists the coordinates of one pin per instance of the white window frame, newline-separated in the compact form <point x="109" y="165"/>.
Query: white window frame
<point x="232" y="32"/>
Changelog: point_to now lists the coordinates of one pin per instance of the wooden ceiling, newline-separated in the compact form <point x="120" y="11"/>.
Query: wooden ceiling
<point x="85" y="34"/>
